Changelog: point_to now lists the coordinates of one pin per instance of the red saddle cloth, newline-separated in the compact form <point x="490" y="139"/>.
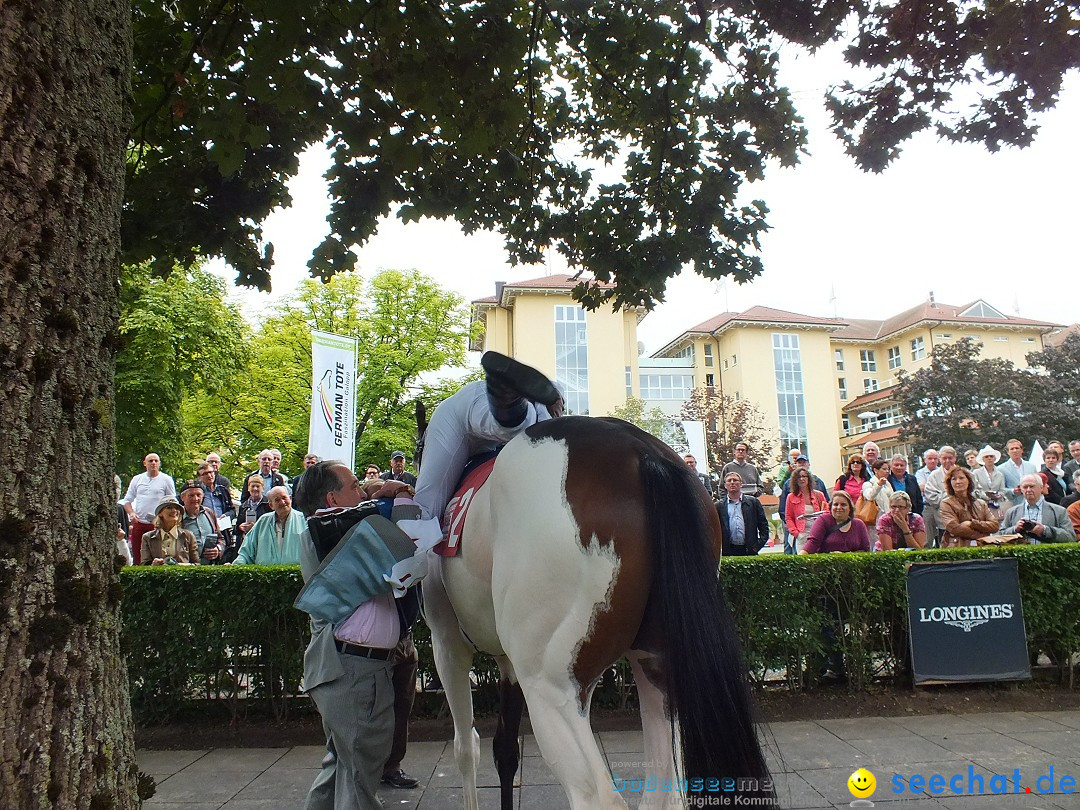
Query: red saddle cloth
<point x="458" y="508"/>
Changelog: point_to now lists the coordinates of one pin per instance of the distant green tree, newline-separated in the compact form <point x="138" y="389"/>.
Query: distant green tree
<point x="408" y="328"/>
<point x="651" y="420"/>
<point x="961" y="399"/>
<point x="179" y="339"/>
<point x="1052" y="392"/>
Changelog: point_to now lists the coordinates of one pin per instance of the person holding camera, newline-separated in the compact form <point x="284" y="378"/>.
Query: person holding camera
<point x="1036" y="518"/>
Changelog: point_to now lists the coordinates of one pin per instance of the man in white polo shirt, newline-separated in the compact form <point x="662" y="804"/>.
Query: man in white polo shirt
<point x="144" y="493"/>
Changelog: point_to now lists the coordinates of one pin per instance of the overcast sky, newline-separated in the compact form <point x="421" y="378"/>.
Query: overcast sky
<point x="949" y="218"/>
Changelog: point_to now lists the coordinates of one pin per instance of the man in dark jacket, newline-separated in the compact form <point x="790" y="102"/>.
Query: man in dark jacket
<point x="271" y="477"/>
<point x="397" y="471"/>
<point x="742" y="517"/>
<point x="903" y="481"/>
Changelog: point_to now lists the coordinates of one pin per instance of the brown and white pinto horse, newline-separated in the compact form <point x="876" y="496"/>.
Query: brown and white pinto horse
<point x="592" y="541"/>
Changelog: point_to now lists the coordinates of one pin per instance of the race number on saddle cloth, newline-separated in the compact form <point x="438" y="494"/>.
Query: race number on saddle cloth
<point x="476" y="474"/>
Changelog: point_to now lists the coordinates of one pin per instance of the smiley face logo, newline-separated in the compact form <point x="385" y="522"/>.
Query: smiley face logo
<point x="862" y="784"/>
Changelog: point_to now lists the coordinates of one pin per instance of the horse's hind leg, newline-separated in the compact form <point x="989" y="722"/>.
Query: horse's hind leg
<point x="567" y="743"/>
<point x="453" y="661"/>
<point x="505" y="744"/>
<point x="656" y="728"/>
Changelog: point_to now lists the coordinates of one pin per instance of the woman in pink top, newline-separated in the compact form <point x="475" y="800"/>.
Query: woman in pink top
<point x="851" y="481"/>
<point x="839" y="530"/>
<point x="804" y="500"/>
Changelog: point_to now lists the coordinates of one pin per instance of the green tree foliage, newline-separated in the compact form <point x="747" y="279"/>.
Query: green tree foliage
<point x="482" y="111"/>
<point x="729" y="421"/>
<point x="1053" y="392"/>
<point x="651" y="420"/>
<point x="178" y="339"/>
<point x="961" y="399"/>
<point x="407" y="326"/>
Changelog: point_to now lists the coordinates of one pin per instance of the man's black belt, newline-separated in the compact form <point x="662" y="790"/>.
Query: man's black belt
<point x="376" y="653"/>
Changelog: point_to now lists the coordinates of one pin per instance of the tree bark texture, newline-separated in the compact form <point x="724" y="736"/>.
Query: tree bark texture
<point x="66" y="736"/>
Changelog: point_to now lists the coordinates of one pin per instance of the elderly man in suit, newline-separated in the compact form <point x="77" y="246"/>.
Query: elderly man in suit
<point x="1036" y="518"/>
<point x="742" y="518"/>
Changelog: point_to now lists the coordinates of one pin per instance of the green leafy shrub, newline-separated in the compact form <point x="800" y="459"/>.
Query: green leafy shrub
<point x="230" y="636"/>
<point x="211" y="633"/>
<point x="781" y="603"/>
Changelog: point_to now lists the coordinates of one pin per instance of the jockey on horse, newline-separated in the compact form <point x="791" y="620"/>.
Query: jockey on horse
<point x="480" y="417"/>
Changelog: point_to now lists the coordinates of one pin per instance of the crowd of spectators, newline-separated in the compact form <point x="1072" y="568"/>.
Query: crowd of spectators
<point x="215" y="522"/>
<point x="940" y="505"/>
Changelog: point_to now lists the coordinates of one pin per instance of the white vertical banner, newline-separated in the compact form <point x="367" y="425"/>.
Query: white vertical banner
<point x="331" y="431"/>
<point x="695" y="444"/>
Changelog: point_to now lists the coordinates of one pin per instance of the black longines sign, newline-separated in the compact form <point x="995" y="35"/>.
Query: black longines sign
<point x="966" y="622"/>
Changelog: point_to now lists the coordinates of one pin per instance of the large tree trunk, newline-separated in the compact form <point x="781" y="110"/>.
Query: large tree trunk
<point x="65" y="720"/>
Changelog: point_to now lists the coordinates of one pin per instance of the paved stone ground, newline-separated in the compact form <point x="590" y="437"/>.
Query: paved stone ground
<point x="811" y="762"/>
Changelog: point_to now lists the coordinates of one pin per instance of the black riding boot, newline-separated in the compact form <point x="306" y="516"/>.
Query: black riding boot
<point x="510" y="385"/>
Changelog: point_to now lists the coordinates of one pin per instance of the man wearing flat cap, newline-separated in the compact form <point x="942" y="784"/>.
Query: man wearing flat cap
<point x="397" y="470"/>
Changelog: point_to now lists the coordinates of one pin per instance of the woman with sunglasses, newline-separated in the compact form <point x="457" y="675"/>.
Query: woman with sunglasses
<point x="852" y="480"/>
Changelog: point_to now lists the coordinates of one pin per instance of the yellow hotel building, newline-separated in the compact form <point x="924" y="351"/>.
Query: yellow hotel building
<point x="824" y="384"/>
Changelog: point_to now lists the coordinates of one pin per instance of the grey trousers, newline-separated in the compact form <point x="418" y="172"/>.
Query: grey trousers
<point x="357" y="712"/>
<point x="932" y="518"/>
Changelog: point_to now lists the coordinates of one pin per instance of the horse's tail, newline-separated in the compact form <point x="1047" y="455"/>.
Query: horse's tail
<point x="708" y="685"/>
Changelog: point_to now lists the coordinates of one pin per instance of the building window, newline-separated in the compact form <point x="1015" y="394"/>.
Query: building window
<point x="918" y="348"/>
<point x="734" y="360"/>
<point x="709" y="383"/>
<point x="839" y="355"/>
<point x="790" y="396"/>
<point x="945" y="336"/>
<point x="666" y="386"/>
<point x="843" y="387"/>
<point x="688" y="352"/>
<point x="1028" y="340"/>
<point x="894" y="357"/>
<point x="889" y="415"/>
<point x="981" y="309"/>
<point x="708" y="355"/>
<point x="867" y="360"/>
<point x="572" y="358"/>
<point x="1001" y="339"/>
<point x="869" y="384"/>
<point x="845" y="422"/>
<point x="629" y="382"/>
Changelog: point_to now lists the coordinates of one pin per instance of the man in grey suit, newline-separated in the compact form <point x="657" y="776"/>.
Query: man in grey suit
<point x="347" y="669"/>
<point x="1036" y="518"/>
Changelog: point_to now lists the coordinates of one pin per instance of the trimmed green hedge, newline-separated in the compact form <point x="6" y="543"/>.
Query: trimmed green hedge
<point x="781" y="603"/>
<point x="230" y="636"/>
<point x="193" y="634"/>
